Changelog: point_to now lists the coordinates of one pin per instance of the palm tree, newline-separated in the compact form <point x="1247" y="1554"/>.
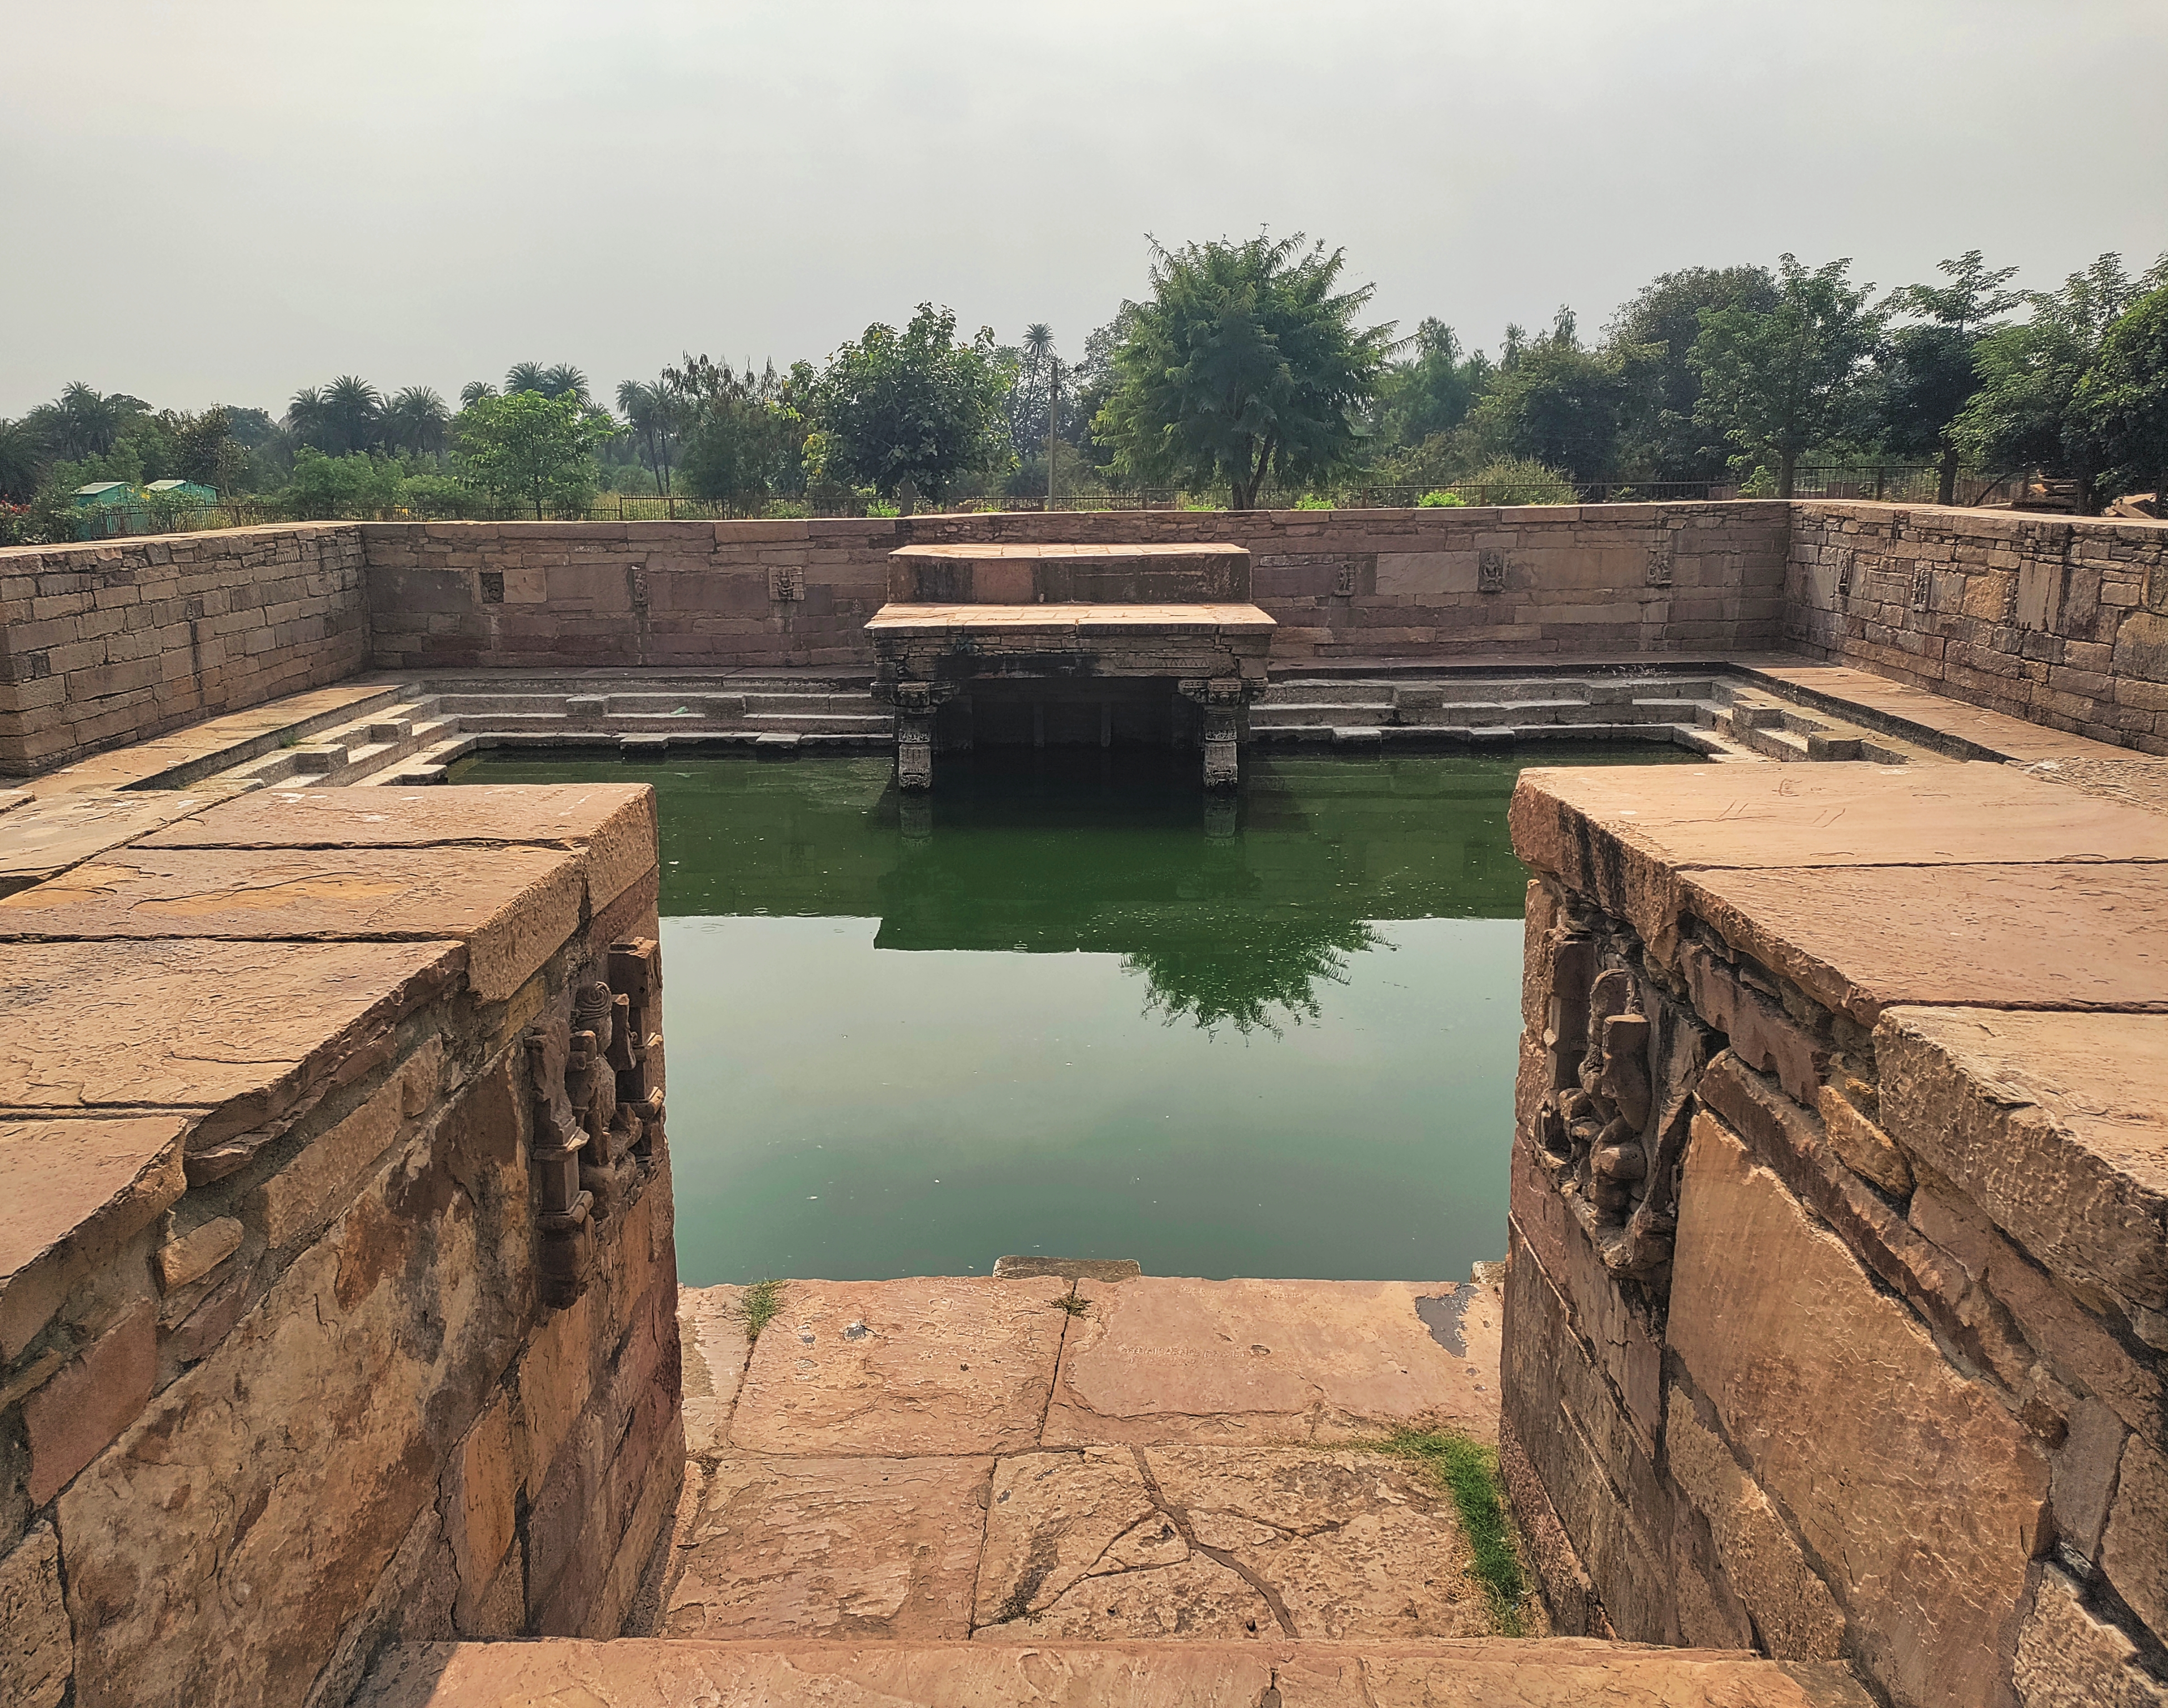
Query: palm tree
<point x="356" y="409"/>
<point x="650" y="410"/>
<point x="565" y="380"/>
<point x="19" y="461"/>
<point x="418" y="419"/>
<point x="474" y="391"/>
<point x="83" y="422"/>
<point x="1038" y="349"/>
<point x="307" y="418"/>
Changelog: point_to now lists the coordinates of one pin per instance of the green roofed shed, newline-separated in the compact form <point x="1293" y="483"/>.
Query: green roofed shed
<point x="188" y="491"/>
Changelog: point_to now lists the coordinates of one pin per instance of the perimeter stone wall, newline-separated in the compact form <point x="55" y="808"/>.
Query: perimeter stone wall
<point x="2064" y="621"/>
<point x="295" y="1358"/>
<point x="1536" y="582"/>
<point x="1836" y="1309"/>
<point x="115" y="641"/>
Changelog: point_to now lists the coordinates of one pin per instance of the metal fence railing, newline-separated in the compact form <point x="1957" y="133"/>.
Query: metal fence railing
<point x="1893" y="483"/>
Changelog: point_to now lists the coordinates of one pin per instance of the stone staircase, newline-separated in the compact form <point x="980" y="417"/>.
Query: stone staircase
<point x="409" y="731"/>
<point x="1716" y="714"/>
<point x="978" y="1491"/>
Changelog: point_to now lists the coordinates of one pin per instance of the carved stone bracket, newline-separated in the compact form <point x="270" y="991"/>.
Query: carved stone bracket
<point x="1621" y="1058"/>
<point x="595" y="1088"/>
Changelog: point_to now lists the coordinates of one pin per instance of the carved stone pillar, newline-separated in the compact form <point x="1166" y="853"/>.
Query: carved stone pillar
<point x="1221" y="698"/>
<point x="916" y="705"/>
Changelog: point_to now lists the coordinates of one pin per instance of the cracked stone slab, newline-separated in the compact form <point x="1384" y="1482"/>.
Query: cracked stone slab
<point x="940" y="1365"/>
<point x="1161" y="1360"/>
<point x="805" y="1548"/>
<point x="1564" y="1672"/>
<point x="511" y="906"/>
<point x="244" y="1033"/>
<point x="713" y="1335"/>
<point x="46" y="835"/>
<point x="1106" y="1543"/>
<point x="613" y="825"/>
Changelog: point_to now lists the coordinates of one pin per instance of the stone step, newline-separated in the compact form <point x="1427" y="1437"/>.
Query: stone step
<point x="1477" y="1672"/>
<point x="825" y="722"/>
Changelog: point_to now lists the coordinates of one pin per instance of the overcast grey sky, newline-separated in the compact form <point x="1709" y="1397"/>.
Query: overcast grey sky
<point x="224" y="201"/>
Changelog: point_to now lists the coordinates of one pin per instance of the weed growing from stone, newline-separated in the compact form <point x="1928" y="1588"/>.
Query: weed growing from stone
<point x="1468" y="1471"/>
<point x="1075" y="1306"/>
<point x="761" y="1305"/>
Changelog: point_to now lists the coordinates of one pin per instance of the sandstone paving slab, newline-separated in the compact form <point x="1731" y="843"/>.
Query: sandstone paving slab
<point x="2055" y="1124"/>
<point x="943" y="1364"/>
<point x="511" y="906"/>
<point x="243" y="1032"/>
<point x="2013" y="738"/>
<point x="1690" y="817"/>
<point x="1862" y="939"/>
<point x="856" y="1547"/>
<point x="50" y="834"/>
<point x="76" y="1186"/>
<point x="1104" y="1543"/>
<point x="1162" y="1359"/>
<point x="1561" y="1673"/>
<point x="613" y="824"/>
<point x="713" y="1337"/>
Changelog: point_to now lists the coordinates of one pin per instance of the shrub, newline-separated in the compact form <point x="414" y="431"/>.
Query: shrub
<point x="1519" y="480"/>
<point x="1311" y="500"/>
<point x="1440" y="501"/>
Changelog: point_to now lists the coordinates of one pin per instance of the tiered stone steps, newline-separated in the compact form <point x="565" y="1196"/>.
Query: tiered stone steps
<point x="1561" y="1673"/>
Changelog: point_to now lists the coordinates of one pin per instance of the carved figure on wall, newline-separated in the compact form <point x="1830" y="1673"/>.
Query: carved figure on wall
<point x="1623" y="1058"/>
<point x="595" y="1086"/>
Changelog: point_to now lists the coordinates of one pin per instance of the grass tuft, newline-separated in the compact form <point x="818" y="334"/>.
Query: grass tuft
<point x="762" y="1304"/>
<point x="1468" y="1471"/>
<point x="1072" y="1304"/>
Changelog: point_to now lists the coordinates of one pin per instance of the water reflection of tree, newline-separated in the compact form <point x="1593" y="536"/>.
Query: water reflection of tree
<point x="1255" y="969"/>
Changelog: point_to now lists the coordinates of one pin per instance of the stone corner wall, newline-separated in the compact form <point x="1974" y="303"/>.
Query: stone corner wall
<point x="114" y="641"/>
<point x="1834" y="1326"/>
<point x="1553" y="582"/>
<point x="2061" y="621"/>
<point x="296" y="1357"/>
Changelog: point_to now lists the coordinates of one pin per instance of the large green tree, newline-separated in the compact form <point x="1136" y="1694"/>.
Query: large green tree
<point x="1659" y="435"/>
<point x="1433" y="391"/>
<point x="2123" y="399"/>
<point x="528" y="450"/>
<point x="2025" y="412"/>
<point x="1775" y="383"/>
<point x="1557" y="404"/>
<point x="1923" y="370"/>
<point x="744" y="432"/>
<point x="1246" y="364"/>
<point x="912" y="406"/>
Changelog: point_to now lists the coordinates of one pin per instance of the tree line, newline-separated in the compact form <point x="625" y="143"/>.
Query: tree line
<point x="1247" y="368"/>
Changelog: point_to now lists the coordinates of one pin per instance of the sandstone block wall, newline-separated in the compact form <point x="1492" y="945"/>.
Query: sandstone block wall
<point x="294" y="1360"/>
<point x="1550" y="581"/>
<point x="1836" y="1313"/>
<point x="2062" y="622"/>
<point x="114" y="641"/>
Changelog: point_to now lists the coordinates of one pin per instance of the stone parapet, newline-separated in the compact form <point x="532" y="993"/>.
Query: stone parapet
<point x="301" y="1353"/>
<point x="115" y="641"/>
<point x="2063" y="622"/>
<point x="1835" y="1319"/>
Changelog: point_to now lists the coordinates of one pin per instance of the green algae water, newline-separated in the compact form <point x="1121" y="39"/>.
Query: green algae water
<point x="1068" y="1005"/>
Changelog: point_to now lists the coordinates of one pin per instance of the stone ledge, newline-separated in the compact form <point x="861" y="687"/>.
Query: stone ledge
<point x="1562" y="1673"/>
